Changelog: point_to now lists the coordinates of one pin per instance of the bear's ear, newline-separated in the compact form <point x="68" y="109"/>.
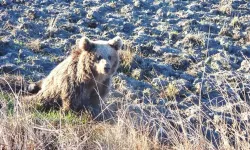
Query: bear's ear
<point x="116" y="43"/>
<point x="86" y="44"/>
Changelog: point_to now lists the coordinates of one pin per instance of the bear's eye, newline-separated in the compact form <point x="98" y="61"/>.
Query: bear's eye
<point x="99" y="57"/>
<point x="109" y="57"/>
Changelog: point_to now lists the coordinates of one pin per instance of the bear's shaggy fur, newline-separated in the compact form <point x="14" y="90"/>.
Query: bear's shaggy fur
<point x="82" y="79"/>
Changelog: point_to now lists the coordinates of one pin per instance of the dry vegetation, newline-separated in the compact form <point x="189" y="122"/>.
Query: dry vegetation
<point x="195" y="39"/>
<point x="126" y="56"/>
<point x="225" y="6"/>
<point x="34" y="45"/>
<point x="132" y="128"/>
<point x="22" y="129"/>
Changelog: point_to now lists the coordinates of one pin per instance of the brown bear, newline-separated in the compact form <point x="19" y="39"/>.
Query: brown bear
<point x="82" y="79"/>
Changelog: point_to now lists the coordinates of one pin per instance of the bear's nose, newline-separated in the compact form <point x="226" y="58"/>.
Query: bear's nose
<point x="107" y="68"/>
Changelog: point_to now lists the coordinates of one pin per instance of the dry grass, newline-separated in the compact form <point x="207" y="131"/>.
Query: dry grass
<point x="225" y="6"/>
<point x="195" y="39"/>
<point x="170" y="91"/>
<point x="235" y="22"/>
<point x="35" y="45"/>
<point x="12" y="83"/>
<point x="139" y="127"/>
<point x="247" y="36"/>
<point x="225" y="31"/>
<point x="22" y="129"/>
<point x="126" y="56"/>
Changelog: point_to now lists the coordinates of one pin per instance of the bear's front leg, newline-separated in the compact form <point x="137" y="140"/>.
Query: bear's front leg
<point x="65" y="106"/>
<point x="66" y="99"/>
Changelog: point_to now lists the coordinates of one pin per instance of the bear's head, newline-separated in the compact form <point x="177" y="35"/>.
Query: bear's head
<point x="105" y="54"/>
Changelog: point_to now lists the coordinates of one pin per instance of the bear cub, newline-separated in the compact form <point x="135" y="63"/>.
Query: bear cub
<point x="82" y="80"/>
